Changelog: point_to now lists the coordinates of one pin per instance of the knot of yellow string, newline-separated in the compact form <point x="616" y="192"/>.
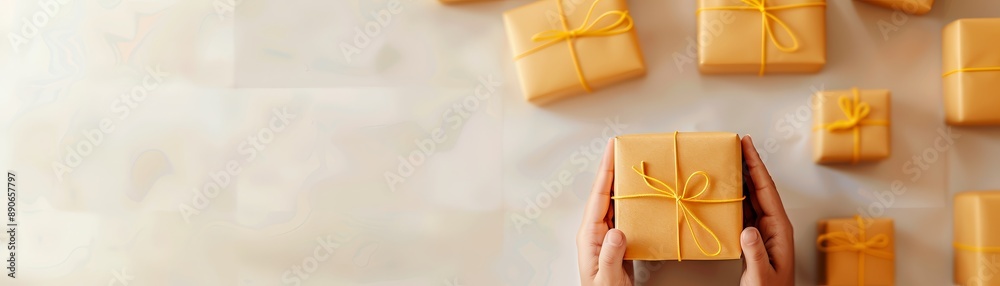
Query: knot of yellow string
<point x="856" y="113"/>
<point x="622" y="25"/>
<point x="767" y="31"/>
<point x="682" y="197"/>
<point x="844" y="241"/>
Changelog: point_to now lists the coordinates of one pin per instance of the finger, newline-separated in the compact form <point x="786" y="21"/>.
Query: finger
<point x="764" y="192"/>
<point x="612" y="252"/>
<point x="755" y="254"/>
<point x="600" y="196"/>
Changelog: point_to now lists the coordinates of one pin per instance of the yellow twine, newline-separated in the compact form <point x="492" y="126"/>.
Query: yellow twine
<point x="986" y="69"/>
<point x="843" y="241"/>
<point x="683" y="213"/>
<point x="586" y="29"/>
<point x="967" y="247"/>
<point x="766" y="30"/>
<point x="856" y="111"/>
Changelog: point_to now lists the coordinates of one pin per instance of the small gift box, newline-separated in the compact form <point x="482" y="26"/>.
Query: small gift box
<point x="972" y="72"/>
<point x="914" y="7"/>
<point x="856" y="251"/>
<point x="679" y="195"/>
<point x="564" y="48"/>
<point x="977" y="238"/>
<point x="761" y="36"/>
<point x="851" y="126"/>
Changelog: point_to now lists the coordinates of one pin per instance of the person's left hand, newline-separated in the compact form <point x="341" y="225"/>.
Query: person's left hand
<point x="601" y="248"/>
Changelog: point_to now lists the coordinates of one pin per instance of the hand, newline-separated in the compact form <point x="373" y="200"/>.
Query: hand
<point x="601" y="248"/>
<point x="767" y="244"/>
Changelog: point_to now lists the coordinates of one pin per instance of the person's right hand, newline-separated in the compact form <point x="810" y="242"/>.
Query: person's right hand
<point x="768" y="245"/>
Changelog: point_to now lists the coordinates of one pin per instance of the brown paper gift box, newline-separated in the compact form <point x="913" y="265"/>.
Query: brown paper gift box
<point x="971" y="97"/>
<point x="650" y="223"/>
<point x="915" y="7"/>
<point x="840" y="262"/>
<point x="730" y="40"/>
<point x="872" y="132"/>
<point x="549" y="73"/>
<point x="977" y="238"/>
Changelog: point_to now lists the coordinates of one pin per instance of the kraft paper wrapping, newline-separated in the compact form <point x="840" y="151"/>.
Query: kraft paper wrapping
<point x="915" y="7"/>
<point x="977" y="238"/>
<point x="730" y="40"/>
<point x="550" y="74"/>
<point x="839" y="146"/>
<point x="841" y="268"/>
<point x="971" y="98"/>
<point x="650" y="223"/>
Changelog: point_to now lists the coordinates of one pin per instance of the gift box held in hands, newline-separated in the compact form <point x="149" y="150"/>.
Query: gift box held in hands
<point x="761" y="36"/>
<point x="851" y="126"/>
<point x="679" y="195"/>
<point x="972" y="72"/>
<point x="977" y="238"/>
<point x="564" y="48"/>
<point x="857" y="251"/>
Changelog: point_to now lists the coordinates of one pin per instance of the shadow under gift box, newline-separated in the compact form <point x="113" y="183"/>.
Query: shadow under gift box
<point x="679" y="195"/>
<point x="977" y="238"/>
<point x="972" y="72"/>
<point x="602" y="50"/>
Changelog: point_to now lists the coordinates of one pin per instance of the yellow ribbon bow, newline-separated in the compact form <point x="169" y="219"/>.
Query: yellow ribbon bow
<point x="844" y="241"/>
<point x="586" y="29"/>
<point x="856" y="112"/>
<point x="683" y="212"/>
<point x="766" y="30"/>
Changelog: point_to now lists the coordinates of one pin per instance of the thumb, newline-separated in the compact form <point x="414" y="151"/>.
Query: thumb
<point x="758" y="264"/>
<point x="612" y="251"/>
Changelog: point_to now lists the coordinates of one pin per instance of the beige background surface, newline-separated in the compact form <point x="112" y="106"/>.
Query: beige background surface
<point x="316" y="138"/>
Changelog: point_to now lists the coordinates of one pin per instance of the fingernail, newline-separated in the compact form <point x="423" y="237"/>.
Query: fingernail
<point x="750" y="236"/>
<point x="614" y="238"/>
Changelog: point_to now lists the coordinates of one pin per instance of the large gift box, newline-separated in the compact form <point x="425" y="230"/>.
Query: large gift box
<point x="977" y="238"/>
<point x="568" y="47"/>
<point x="679" y="195"/>
<point x="914" y="7"/>
<point x="857" y="251"/>
<point x="761" y="36"/>
<point x="972" y="72"/>
<point x="851" y="126"/>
